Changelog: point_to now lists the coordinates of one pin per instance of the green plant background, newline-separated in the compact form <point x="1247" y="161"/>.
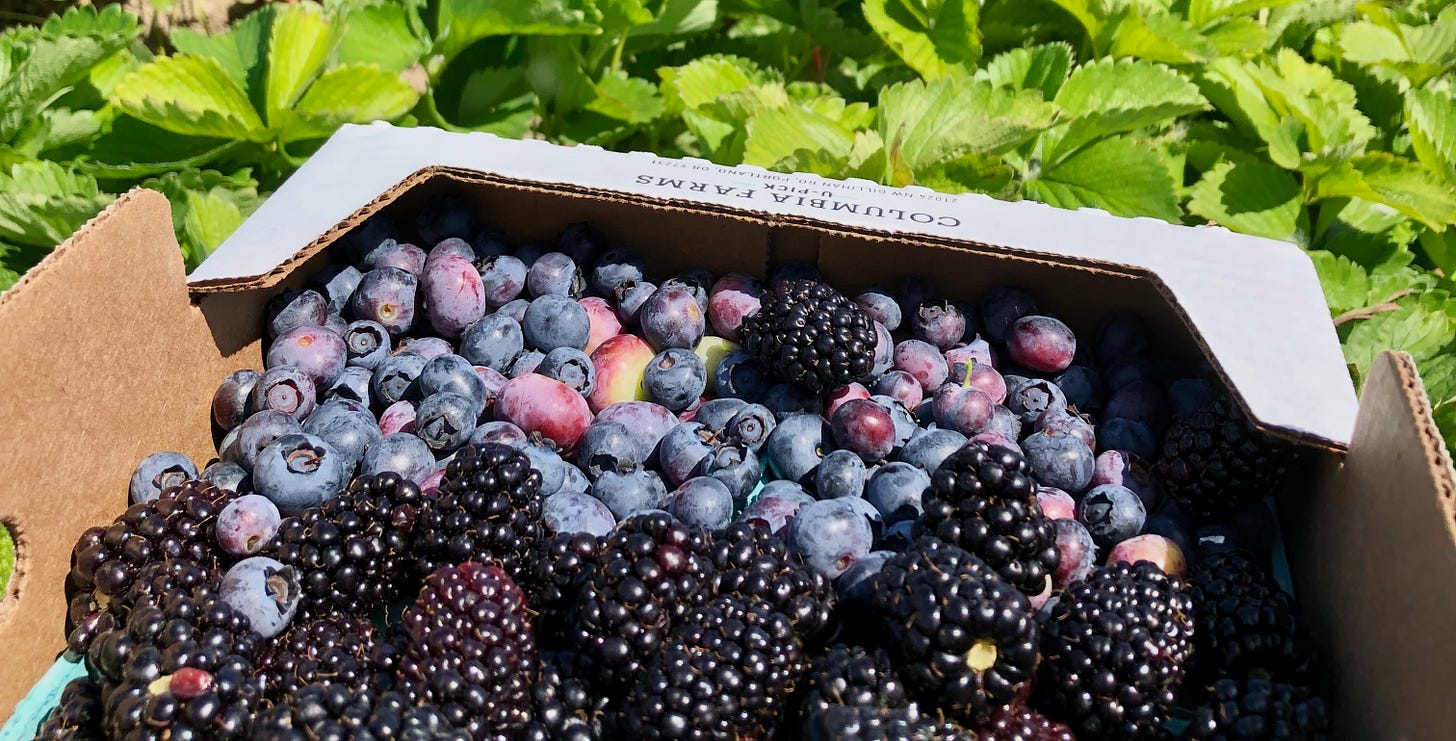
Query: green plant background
<point x="1327" y="123"/>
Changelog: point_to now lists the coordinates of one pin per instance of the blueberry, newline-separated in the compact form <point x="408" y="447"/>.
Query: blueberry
<point x="452" y="247"/>
<point x="490" y="243"/>
<point x="735" y="465"/>
<point x="317" y="351"/>
<point x="395" y="378"/>
<point x="1060" y="460"/>
<point x="794" y="270"/>
<point x="940" y="323"/>
<point x="337" y="283"/>
<point x="1140" y="401"/>
<point x="571" y="367"/>
<point x="493" y="342"/>
<point x="575" y="512"/>
<point x="501" y="432"/>
<point x="160" y="471"/>
<point x="672" y="318"/>
<point x="675" y="378"/>
<point x="575" y="481"/>
<point x="830" y="535"/>
<point x="353" y="384"/>
<point x="785" y="399"/>
<point x="387" y="296"/>
<point x="605" y="446"/>
<point x="503" y="279"/>
<point x="285" y="389"/>
<point x="681" y="450"/>
<point x="702" y="501"/>
<point x="554" y="274"/>
<point x="455" y="374"/>
<point x="855" y="587"/>
<point x="530" y="252"/>
<point x="246" y="525"/>
<point x="715" y="414"/>
<point x="1067" y="423"/>
<point x="401" y="453"/>
<point x="1112" y="514"/>
<point x="366" y="342"/>
<point x="264" y="591"/>
<point x="1129" y="435"/>
<point x="1029" y="398"/>
<point x="428" y="348"/>
<point x="1005" y="423"/>
<point x="841" y="474"/>
<point x="897" y="490"/>
<point x="1176" y="530"/>
<point x="1188" y="395"/>
<point x="695" y="286"/>
<point x="631" y="296"/>
<point x="350" y="434"/>
<point x="739" y="376"/>
<point x="629" y="492"/>
<point x="366" y="236"/>
<point x="1082" y="387"/>
<point x="555" y="321"/>
<point x="296" y="309"/>
<point x="1121" y="335"/>
<point x="331" y="409"/>
<point x="1002" y="307"/>
<point x="526" y="362"/>
<point x="548" y="463"/>
<point x="751" y="425"/>
<point x="230" y="401"/>
<point x="256" y="433"/>
<point x="796" y="446"/>
<point x="581" y="242"/>
<point x="900" y="417"/>
<point x="927" y="449"/>
<point x="299" y="470"/>
<point x="445" y="215"/>
<point x="445" y="420"/>
<point x="777" y="504"/>
<point x="881" y="307"/>
<point x="617" y="266"/>
<point x="228" y="475"/>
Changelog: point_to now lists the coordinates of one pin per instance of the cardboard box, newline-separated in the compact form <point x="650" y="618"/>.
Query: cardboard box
<point x="107" y="353"/>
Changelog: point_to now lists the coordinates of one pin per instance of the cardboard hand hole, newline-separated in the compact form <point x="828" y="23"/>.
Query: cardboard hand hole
<point x="11" y="552"/>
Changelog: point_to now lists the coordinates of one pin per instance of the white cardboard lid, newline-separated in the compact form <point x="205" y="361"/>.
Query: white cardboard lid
<point x="1256" y="303"/>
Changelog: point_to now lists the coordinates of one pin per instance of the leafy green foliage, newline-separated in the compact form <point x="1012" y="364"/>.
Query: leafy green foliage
<point x="7" y="558"/>
<point x="1326" y="123"/>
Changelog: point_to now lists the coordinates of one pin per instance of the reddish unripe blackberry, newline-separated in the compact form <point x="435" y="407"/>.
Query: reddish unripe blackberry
<point x="1215" y="461"/>
<point x="471" y="650"/>
<point x="964" y="639"/>
<point x="810" y="335"/>
<point x="1021" y="723"/>
<point x="1113" y="650"/>
<point x="1244" y="621"/>
<point x="723" y="673"/>
<point x="651" y="571"/>
<point x="1259" y="710"/>
<point x="327" y="649"/>
<point x="353" y="553"/>
<point x="77" y="715"/>
<point x="983" y="499"/>
<point x="753" y="563"/>
<point x="488" y="509"/>
<point x="105" y="562"/>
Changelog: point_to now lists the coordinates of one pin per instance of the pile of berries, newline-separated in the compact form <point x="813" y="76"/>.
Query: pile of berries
<point x="486" y="489"/>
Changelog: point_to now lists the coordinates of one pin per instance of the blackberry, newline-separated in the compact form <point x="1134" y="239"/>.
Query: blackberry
<point x="1214" y="461"/>
<point x="106" y="561"/>
<point x="854" y="676"/>
<point x="964" y="639"/>
<point x="553" y="569"/>
<point x="353" y="552"/>
<point x="652" y="570"/>
<point x="1113" y="649"/>
<point x="752" y="562"/>
<point x="489" y="509"/>
<point x="811" y="335"/>
<point x="1021" y="723"/>
<point x="566" y="708"/>
<point x="332" y="711"/>
<point x="1260" y="710"/>
<point x="1244" y="622"/>
<point x="77" y="716"/>
<point x="326" y="650"/>
<point x="181" y="669"/>
<point x="983" y="499"/>
<point x="152" y="583"/>
<point x="471" y="650"/>
<point x="722" y="674"/>
<point x="867" y="723"/>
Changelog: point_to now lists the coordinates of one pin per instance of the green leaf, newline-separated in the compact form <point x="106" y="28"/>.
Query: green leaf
<point x="1438" y="374"/>
<point x="384" y="33"/>
<point x="1372" y="234"/>
<point x="973" y="173"/>
<point x="1201" y="12"/>
<point x="1109" y="97"/>
<point x="924" y="124"/>
<point x="1399" y="183"/>
<point x="207" y="206"/>
<point x="298" y="46"/>
<point x="1420" y="53"/>
<point x="1093" y="15"/>
<point x="130" y="148"/>
<point x="1431" y="114"/>
<point x="42" y="203"/>
<point x="1158" y="37"/>
<point x="242" y="50"/>
<point x="705" y="79"/>
<point x="43" y="63"/>
<point x="188" y="95"/>
<point x="1292" y="25"/>
<point x="630" y="99"/>
<point x="1346" y="284"/>
<point x="794" y="136"/>
<point x="1252" y="198"/>
<point x="935" y="37"/>
<point x="1238" y="37"/>
<point x="679" y="18"/>
<point x="1444" y="414"/>
<point x="1117" y="175"/>
<point x="460" y="23"/>
<point x="1043" y="67"/>
<point x="55" y="128"/>
<point x="493" y="99"/>
<point x="353" y="93"/>
<point x="1440" y="249"/>
<point x="1415" y="328"/>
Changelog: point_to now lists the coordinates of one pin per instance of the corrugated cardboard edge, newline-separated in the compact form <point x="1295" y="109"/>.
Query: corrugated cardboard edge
<point x="96" y="222"/>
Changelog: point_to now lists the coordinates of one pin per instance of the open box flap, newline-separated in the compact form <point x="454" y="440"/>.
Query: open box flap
<point x="1255" y="303"/>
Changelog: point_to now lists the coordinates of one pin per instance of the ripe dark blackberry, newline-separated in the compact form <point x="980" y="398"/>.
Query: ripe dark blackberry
<point x="1021" y="723"/>
<point x="752" y="562"/>
<point x="1244" y="622"/>
<point x="105" y="561"/>
<point x="1215" y="461"/>
<point x="182" y="669"/>
<point x="553" y="568"/>
<point x="153" y="582"/>
<point x="319" y="712"/>
<point x="811" y="335"/>
<point x="651" y="571"/>
<point x="854" y="676"/>
<point x="723" y="673"/>
<point x="488" y="509"/>
<point x="1259" y="710"/>
<point x="77" y="716"/>
<point x="353" y="552"/>
<point x="965" y="640"/>
<point x="1113" y="650"/>
<point x="983" y="499"/>
<point x="471" y="651"/>
<point x="565" y="707"/>
<point x="327" y="649"/>
<point x="867" y="723"/>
